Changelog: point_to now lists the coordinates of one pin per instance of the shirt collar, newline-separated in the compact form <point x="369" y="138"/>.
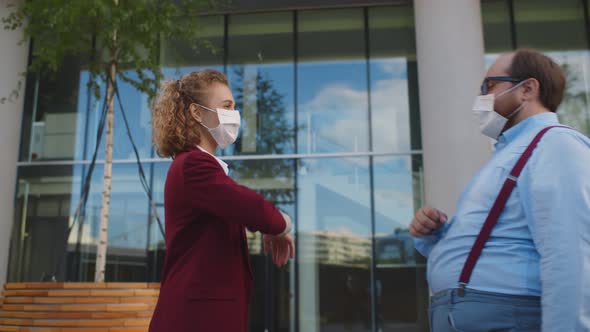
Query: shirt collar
<point x="222" y="163"/>
<point x="544" y="119"/>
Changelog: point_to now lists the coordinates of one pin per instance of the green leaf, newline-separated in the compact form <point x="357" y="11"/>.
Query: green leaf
<point x="66" y="28"/>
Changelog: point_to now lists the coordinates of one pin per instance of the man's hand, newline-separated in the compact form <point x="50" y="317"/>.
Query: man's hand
<point x="426" y="221"/>
<point x="281" y="247"/>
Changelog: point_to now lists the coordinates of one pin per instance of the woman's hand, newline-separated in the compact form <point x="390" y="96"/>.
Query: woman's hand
<point x="281" y="247"/>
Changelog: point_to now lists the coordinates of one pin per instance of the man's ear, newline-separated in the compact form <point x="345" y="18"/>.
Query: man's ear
<point x="531" y="88"/>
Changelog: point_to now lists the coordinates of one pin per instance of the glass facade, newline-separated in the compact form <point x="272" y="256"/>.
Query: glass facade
<point x="329" y="105"/>
<point x="330" y="134"/>
<point x="560" y="29"/>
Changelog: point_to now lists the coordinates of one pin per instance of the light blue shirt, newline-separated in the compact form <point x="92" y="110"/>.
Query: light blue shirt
<point x="541" y="243"/>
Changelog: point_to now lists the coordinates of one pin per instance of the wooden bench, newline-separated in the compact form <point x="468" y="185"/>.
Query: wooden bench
<point x="77" y="307"/>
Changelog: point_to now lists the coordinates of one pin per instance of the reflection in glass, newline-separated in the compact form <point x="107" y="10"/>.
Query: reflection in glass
<point x="178" y="58"/>
<point x="155" y="242"/>
<point x="55" y="114"/>
<point x="400" y="290"/>
<point x="391" y="40"/>
<point x="45" y="198"/>
<point x="334" y="219"/>
<point x="261" y="74"/>
<point x="128" y="223"/>
<point x="332" y="82"/>
<point x="319" y="75"/>
<point x="135" y="105"/>
<point x="62" y="121"/>
<point x="136" y="108"/>
<point x="394" y="207"/>
<point x="400" y="284"/>
<point x="575" y="108"/>
<point x="272" y="303"/>
<point x="551" y="27"/>
<point x="496" y="27"/>
<point x="547" y="26"/>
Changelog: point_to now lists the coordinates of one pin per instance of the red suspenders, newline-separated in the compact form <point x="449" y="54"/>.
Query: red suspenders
<point x="496" y="210"/>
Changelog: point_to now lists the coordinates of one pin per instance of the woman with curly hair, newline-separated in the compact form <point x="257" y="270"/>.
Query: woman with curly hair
<point x="207" y="277"/>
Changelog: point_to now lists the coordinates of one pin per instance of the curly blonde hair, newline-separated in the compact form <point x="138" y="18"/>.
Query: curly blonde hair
<point x="174" y="129"/>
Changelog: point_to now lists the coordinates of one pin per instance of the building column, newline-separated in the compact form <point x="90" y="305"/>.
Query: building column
<point x="13" y="62"/>
<point x="450" y="56"/>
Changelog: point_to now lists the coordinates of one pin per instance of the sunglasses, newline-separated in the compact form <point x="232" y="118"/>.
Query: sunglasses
<point x="490" y="81"/>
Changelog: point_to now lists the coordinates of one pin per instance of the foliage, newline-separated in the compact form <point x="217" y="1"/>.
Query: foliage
<point x="60" y="29"/>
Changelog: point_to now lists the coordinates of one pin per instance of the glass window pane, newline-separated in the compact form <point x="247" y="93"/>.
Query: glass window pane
<point x="333" y="88"/>
<point x="559" y="30"/>
<point x="391" y="37"/>
<point x="156" y="244"/>
<point x="45" y="198"/>
<point x="54" y="121"/>
<point x="178" y="55"/>
<point x="244" y="6"/>
<point x="136" y="108"/>
<point x="550" y="25"/>
<point x="178" y="58"/>
<point x="497" y="29"/>
<point x="272" y="302"/>
<point x="334" y="219"/>
<point x="128" y="227"/>
<point x="496" y="26"/>
<point x="332" y="82"/>
<point x="575" y="108"/>
<point x="261" y="74"/>
<point x="401" y="289"/>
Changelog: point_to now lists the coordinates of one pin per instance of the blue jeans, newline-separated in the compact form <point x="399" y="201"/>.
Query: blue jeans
<point x="483" y="311"/>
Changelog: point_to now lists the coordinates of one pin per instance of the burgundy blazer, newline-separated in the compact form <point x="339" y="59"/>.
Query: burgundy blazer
<point x="207" y="277"/>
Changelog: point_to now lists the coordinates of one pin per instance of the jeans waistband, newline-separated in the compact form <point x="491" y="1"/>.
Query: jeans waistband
<point x="449" y="296"/>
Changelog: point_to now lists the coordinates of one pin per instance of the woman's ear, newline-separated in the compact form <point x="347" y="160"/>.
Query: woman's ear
<point x="195" y="112"/>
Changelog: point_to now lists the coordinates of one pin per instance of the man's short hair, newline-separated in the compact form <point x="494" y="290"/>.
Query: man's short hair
<point x="529" y="63"/>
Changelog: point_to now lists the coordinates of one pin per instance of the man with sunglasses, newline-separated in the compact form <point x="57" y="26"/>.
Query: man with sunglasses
<point x="516" y="255"/>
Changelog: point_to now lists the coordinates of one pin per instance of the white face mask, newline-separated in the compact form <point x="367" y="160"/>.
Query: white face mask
<point x="492" y="123"/>
<point x="229" y="124"/>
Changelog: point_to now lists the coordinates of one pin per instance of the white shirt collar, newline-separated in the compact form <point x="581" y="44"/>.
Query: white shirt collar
<point x="222" y="163"/>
